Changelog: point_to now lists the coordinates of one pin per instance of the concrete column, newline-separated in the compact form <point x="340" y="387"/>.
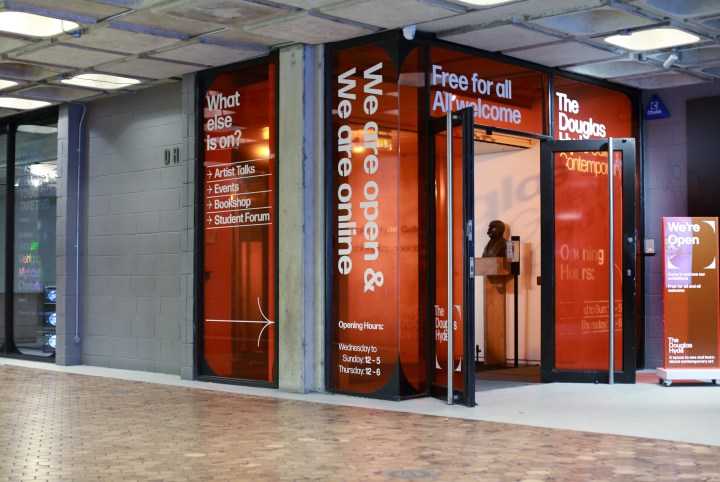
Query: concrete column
<point x="71" y="157"/>
<point x="300" y="221"/>
<point x="187" y="239"/>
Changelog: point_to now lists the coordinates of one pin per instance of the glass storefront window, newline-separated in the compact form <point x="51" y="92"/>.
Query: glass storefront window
<point x="239" y="192"/>
<point x="34" y="312"/>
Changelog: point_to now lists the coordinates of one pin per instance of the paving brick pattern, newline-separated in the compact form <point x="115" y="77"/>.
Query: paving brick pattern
<point x="59" y="426"/>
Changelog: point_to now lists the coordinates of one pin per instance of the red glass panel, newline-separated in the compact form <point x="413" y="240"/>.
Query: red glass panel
<point x="365" y="207"/>
<point x="239" y="224"/>
<point x="412" y="203"/>
<point x="586" y="111"/>
<point x="441" y="259"/>
<point x="502" y="95"/>
<point x="582" y="263"/>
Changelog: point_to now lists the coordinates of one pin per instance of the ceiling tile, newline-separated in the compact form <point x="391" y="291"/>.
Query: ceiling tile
<point x="207" y="54"/>
<point x="660" y="81"/>
<point x="504" y="13"/>
<point x="500" y="38"/>
<point x="149" y="68"/>
<point x="595" y="21"/>
<point x="25" y="71"/>
<point x="685" y="8"/>
<point x="398" y="13"/>
<point x="565" y="53"/>
<point x="307" y="4"/>
<point x="75" y="10"/>
<point x="614" y="68"/>
<point x="56" y="93"/>
<point x="121" y="41"/>
<point x="713" y="71"/>
<point x="225" y="12"/>
<point x="134" y="4"/>
<point x="7" y="44"/>
<point x="241" y="36"/>
<point x="162" y="25"/>
<point x="712" y="23"/>
<point x="309" y="28"/>
<point x="68" y="56"/>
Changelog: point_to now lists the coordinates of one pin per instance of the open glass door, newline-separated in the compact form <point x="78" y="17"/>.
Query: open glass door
<point x="452" y="376"/>
<point x="588" y="260"/>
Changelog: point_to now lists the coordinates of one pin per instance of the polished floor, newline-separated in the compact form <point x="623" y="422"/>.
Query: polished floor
<point x="83" y="423"/>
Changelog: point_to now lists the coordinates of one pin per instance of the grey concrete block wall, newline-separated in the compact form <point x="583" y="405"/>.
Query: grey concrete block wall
<point x="665" y="195"/>
<point x="135" y="232"/>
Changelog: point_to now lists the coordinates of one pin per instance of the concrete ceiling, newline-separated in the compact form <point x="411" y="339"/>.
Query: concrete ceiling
<point x="158" y="41"/>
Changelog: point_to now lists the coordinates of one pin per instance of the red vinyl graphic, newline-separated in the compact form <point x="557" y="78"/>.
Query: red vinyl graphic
<point x="239" y="224"/>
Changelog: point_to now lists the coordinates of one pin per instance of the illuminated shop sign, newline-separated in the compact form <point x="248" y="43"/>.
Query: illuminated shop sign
<point x="238" y="179"/>
<point x="690" y="294"/>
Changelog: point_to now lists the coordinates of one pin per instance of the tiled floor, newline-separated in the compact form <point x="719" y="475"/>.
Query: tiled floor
<point x="63" y="426"/>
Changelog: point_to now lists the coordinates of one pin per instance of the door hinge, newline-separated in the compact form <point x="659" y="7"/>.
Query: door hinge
<point x="472" y="267"/>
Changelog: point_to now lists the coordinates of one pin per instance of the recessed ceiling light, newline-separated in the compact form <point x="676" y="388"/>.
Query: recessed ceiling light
<point x="34" y="25"/>
<point x="4" y="84"/>
<point x="652" y="39"/>
<point x="21" y="104"/>
<point x="101" y="81"/>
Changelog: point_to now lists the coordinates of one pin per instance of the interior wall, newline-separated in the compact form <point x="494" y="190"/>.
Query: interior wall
<point x="507" y="187"/>
<point x="665" y="194"/>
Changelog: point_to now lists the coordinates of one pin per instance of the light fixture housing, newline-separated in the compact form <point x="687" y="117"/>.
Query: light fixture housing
<point x="101" y="81"/>
<point x="21" y="104"/>
<point x="653" y="39"/>
<point x="31" y="25"/>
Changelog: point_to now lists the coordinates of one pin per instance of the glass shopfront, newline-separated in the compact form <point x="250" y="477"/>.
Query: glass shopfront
<point x="237" y="198"/>
<point x="390" y="220"/>
<point x="28" y="194"/>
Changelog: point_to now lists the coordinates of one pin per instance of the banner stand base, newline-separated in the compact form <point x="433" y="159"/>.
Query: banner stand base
<point x="667" y="375"/>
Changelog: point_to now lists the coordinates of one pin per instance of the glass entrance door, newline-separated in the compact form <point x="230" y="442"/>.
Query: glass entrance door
<point x="452" y="335"/>
<point x="588" y="260"/>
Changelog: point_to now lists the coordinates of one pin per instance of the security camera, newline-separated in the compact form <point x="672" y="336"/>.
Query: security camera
<point x="672" y="58"/>
<point x="409" y="32"/>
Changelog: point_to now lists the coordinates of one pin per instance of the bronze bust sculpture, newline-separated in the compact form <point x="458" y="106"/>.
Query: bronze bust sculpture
<point x="497" y="246"/>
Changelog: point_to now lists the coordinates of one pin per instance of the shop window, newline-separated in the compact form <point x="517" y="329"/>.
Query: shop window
<point x="238" y="219"/>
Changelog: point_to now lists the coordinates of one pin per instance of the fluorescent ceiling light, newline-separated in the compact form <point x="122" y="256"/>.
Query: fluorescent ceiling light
<point x="652" y="39"/>
<point x="32" y="25"/>
<point x="4" y="84"/>
<point x="34" y="129"/>
<point x="101" y="81"/>
<point x="21" y="104"/>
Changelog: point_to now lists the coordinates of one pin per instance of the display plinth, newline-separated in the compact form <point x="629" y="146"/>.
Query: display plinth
<point x="667" y="375"/>
<point x="495" y="273"/>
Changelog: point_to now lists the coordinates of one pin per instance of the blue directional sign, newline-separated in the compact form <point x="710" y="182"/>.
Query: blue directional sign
<point x="656" y="109"/>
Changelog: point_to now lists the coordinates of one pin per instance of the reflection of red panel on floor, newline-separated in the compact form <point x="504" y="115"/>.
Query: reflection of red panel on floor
<point x="530" y="374"/>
